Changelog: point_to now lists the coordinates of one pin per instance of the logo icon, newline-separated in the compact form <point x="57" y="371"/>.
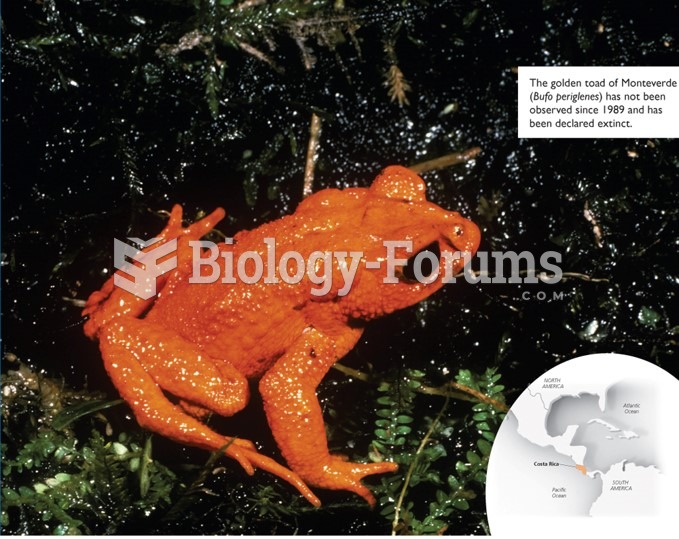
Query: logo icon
<point x="142" y="266"/>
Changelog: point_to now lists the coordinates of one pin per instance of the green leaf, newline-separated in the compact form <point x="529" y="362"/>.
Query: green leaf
<point x="483" y="426"/>
<point x="44" y="41"/>
<point x="382" y="434"/>
<point x="9" y="495"/>
<point x="40" y="488"/>
<point x="473" y="458"/>
<point x="464" y="377"/>
<point x="386" y="400"/>
<point x="648" y="317"/>
<point x="453" y="482"/>
<point x="435" y="452"/>
<point x="490" y="436"/>
<point x="144" y="476"/>
<point x="67" y="416"/>
<point x="119" y="449"/>
<point x="484" y="446"/>
<point x="461" y="504"/>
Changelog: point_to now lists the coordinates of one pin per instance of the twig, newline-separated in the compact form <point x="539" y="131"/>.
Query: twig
<point x="565" y="275"/>
<point x="190" y="40"/>
<point x="311" y="154"/>
<point x="596" y="229"/>
<point x="451" y="390"/>
<point x="583" y="277"/>
<point x="261" y="56"/>
<point x="74" y="301"/>
<point x="501" y="406"/>
<point x="353" y="373"/>
<point x="250" y="3"/>
<point x="411" y="468"/>
<point x="446" y="161"/>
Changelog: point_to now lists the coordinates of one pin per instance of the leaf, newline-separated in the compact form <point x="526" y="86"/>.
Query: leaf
<point x="46" y="41"/>
<point x="496" y="389"/>
<point x="464" y="377"/>
<point x="435" y="452"/>
<point x="144" y="479"/>
<point x="473" y="458"/>
<point x="40" y="488"/>
<point x="461" y="504"/>
<point x="67" y="416"/>
<point x="483" y="426"/>
<point x="382" y="434"/>
<point x="490" y="436"/>
<point x="453" y="482"/>
<point x="484" y="446"/>
<point x="119" y="449"/>
<point x="648" y="317"/>
<point x="386" y="400"/>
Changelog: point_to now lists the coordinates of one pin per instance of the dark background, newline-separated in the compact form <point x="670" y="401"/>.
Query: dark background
<point x="101" y="131"/>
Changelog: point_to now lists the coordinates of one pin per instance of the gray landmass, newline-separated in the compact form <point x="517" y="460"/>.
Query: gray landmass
<point x="535" y="495"/>
<point x="611" y="435"/>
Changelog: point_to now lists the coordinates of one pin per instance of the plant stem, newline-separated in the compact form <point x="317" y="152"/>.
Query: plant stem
<point x="411" y="468"/>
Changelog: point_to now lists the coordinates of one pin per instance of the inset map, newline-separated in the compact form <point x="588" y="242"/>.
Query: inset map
<point x="589" y="446"/>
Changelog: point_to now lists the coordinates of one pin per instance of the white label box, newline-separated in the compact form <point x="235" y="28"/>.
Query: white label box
<point x="598" y="102"/>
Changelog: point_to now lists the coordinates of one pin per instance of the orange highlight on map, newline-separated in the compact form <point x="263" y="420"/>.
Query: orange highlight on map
<point x="581" y="468"/>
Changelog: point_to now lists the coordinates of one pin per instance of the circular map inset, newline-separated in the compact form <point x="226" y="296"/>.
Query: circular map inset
<point x="590" y="446"/>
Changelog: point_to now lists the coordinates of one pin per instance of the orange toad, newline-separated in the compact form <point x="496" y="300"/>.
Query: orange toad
<point x="203" y="342"/>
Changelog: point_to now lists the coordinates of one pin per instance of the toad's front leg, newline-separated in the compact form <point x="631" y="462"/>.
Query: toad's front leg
<point x="289" y="393"/>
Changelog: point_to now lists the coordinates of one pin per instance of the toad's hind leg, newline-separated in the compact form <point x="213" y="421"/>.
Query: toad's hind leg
<point x="142" y="359"/>
<point x="112" y="302"/>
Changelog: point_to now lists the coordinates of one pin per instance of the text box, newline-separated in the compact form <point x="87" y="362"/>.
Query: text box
<point x="598" y="102"/>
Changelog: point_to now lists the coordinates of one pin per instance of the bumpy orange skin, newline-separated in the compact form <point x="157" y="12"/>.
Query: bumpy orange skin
<point x="202" y="342"/>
